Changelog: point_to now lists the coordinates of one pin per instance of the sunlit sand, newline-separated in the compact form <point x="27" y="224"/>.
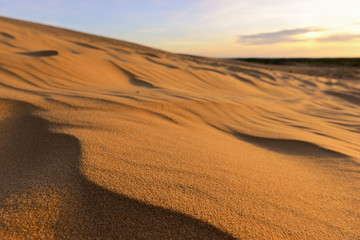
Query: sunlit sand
<point x="105" y="139"/>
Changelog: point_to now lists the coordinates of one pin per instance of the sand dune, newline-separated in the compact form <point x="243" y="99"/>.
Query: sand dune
<point x="105" y="139"/>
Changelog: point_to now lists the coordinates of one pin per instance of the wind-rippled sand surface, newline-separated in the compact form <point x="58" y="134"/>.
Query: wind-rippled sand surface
<point x="104" y="139"/>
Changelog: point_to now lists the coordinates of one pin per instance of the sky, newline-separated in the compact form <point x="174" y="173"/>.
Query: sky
<point x="214" y="28"/>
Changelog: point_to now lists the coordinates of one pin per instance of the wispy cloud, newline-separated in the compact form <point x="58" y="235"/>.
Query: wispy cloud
<point x="287" y="35"/>
<point x="339" y="38"/>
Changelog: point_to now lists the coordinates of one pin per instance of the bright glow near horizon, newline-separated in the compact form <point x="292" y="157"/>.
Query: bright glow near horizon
<point x="227" y="28"/>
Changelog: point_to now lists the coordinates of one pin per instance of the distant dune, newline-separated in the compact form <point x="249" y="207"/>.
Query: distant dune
<point x="105" y="139"/>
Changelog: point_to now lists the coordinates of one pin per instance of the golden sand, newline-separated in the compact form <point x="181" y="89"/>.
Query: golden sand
<point x="105" y="139"/>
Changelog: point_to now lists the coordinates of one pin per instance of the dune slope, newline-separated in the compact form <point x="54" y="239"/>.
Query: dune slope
<point x="105" y="139"/>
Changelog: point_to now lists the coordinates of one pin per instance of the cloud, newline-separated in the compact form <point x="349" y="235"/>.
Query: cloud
<point x="339" y="38"/>
<point x="287" y="35"/>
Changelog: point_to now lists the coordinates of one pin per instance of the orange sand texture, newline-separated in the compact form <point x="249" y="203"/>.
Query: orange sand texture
<point x="105" y="139"/>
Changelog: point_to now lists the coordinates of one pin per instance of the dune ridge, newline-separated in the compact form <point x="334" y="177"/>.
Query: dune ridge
<point x="106" y="139"/>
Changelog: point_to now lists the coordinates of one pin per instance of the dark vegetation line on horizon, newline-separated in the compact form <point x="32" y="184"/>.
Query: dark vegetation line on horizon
<point x="350" y="62"/>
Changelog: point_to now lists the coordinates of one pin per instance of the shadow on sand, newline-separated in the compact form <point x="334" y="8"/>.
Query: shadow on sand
<point x="32" y="154"/>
